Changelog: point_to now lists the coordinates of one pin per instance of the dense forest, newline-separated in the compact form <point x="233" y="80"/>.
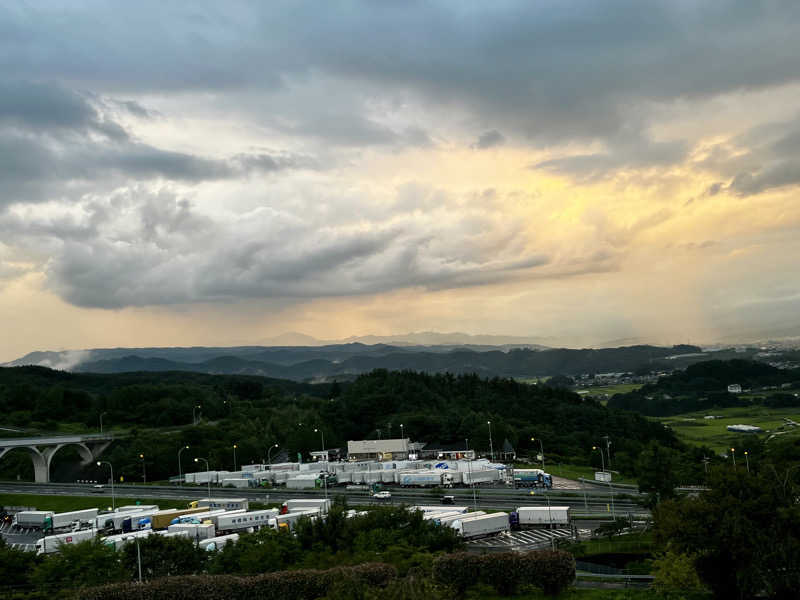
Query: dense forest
<point x="346" y="361"/>
<point x="704" y="386"/>
<point x="157" y="411"/>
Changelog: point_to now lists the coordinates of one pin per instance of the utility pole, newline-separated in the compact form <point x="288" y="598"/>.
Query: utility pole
<point x="144" y="469"/>
<point x="608" y="450"/>
<point x="491" y="447"/>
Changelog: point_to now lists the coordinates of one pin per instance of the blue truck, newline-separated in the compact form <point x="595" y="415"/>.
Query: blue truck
<point x="532" y="478"/>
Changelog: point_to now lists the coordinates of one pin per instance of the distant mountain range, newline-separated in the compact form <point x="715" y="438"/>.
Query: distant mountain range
<point x="420" y="338"/>
<point x="344" y="361"/>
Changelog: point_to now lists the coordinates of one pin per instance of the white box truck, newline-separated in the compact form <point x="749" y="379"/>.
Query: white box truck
<point x="219" y="542"/>
<point x="31" y="518"/>
<point x="245" y="520"/>
<point x="67" y="519"/>
<point x="449" y="519"/>
<point x="53" y="543"/>
<point x="297" y="504"/>
<point x="439" y="508"/>
<point x="195" y="531"/>
<point x="482" y="525"/>
<point x="226" y="503"/>
<point x="482" y="476"/>
<point x="533" y="516"/>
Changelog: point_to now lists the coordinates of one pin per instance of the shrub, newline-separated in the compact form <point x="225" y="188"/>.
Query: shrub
<point x="551" y="570"/>
<point x="457" y="572"/>
<point x="284" y="585"/>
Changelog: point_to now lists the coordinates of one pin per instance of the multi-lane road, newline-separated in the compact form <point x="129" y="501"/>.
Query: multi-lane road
<point x="599" y="503"/>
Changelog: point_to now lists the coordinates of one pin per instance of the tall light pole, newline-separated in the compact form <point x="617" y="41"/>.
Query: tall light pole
<point x="491" y="448"/>
<point x="234" y="456"/>
<point x="325" y="475"/>
<point x="144" y="469"/>
<point x="733" y="453"/>
<point x="180" y="475"/>
<point x="747" y="460"/>
<point x="472" y="481"/>
<point x="541" y="449"/>
<point x="269" y="451"/>
<point x="602" y="460"/>
<point x="608" y="449"/>
<point x="208" y="473"/>
<point x="113" y="498"/>
<point x="101" y="422"/>
<point x="194" y="413"/>
<point x="402" y="435"/>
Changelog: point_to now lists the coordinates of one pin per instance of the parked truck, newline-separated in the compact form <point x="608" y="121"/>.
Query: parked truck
<point x="31" y="518"/>
<point x="481" y="525"/>
<point x="195" y="531"/>
<point x="242" y="521"/>
<point x="540" y="516"/>
<point x="226" y="503"/>
<point x="53" y="543"/>
<point x="528" y="478"/>
<point x="69" y="519"/>
<point x="219" y="542"/>
<point x="295" y="505"/>
<point x="481" y="476"/>
<point x="163" y="518"/>
<point x="287" y="521"/>
<point x="425" y="479"/>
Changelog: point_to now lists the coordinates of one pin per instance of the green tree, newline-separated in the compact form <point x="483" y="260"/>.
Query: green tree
<point x="744" y="533"/>
<point x="163" y="556"/>
<point x="85" y="564"/>
<point x="675" y="572"/>
<point x="16" y="566"/>
<point x="656" y="472"/>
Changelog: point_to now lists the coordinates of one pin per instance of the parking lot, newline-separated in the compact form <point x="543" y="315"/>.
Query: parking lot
<point x="529" y="539"/>
<point x="20" y="538"/>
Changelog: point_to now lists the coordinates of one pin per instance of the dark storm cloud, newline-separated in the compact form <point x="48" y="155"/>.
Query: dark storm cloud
<point x="50" y="135"/>
<point x="764" y="158"/>
<point x="137" y="247"/>
<point x="489" y="139"/>
<point x="551" y="71"/>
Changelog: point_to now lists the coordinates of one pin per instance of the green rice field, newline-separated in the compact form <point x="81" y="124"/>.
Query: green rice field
<point x="693" y="428"/>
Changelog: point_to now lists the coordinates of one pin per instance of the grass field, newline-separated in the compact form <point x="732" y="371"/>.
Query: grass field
<point x="694" y="429"/>
<point x="69" y="503"/>
<point x="575" y="471"/>
<point x="610" y="390"/>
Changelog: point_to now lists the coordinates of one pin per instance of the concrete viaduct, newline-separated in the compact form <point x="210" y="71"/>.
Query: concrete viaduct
<point x="42" y="449"/>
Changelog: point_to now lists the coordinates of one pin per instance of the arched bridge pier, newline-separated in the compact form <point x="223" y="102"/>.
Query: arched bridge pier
<point x="43" y="449"/>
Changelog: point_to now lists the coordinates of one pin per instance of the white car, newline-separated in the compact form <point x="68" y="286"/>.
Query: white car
<point x="382" y="495"/>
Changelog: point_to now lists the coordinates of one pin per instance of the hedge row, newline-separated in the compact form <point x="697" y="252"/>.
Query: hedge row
<point x="283" y="585"/>
<point x="550" y="570"/>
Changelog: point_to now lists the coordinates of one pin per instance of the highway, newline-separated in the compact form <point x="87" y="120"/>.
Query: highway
<point x="595" y="503"/>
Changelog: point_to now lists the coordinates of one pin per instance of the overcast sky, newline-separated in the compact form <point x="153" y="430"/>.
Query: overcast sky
<point x="218" y="173"/>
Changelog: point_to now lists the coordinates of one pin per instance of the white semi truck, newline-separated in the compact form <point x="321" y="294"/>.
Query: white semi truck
<point x="482" y="525"/>
<point x="53" y="543"/>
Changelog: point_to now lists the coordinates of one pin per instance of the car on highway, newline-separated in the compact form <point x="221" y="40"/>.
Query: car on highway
<point x="98" y="489"/>
<point x="384" y="495"/>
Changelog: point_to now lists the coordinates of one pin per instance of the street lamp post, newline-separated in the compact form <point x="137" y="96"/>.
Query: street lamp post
<point x="602" y="459"/>
<point x="325" y="477"/>
<point x="101" y="422"/>
<point x="541" y="449"/>
<point x="269" y="451"/>
<point x="472" y="481"/>
<point x="733" y="453"/>
<point x="747" y="460"/>
<point x="608" y="450"/>
<point x="194" y="414"/>
<point x="144" y="469"/>
<point x="402" y="436"/>
<point x="113" y="498"/>
<point x="234" y="456"/>
<point x="180" y="475"/>
<point x="208" y="473"/>
<point x="491" y="447"/>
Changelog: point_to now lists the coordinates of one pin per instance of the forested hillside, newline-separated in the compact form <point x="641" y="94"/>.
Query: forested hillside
<point x="704" y="386"/>
<point x="254" y="413"/>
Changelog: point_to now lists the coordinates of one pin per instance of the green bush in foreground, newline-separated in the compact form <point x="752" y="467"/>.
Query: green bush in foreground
<point x="283" y="585"/>
<point x="550" y="570"/>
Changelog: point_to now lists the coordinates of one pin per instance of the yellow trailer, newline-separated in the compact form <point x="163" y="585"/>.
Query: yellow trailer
<point x="162" y="518"/>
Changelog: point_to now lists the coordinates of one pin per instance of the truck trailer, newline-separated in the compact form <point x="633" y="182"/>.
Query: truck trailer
<point x="66" y="519"/>
<point x="195" y="531"/>
<point x="481" y="525"/>
<point x="240" y="521"/>
<point x="527" y="478"/>
<point x="540" y="516"/>
<point x="32" y="518"/>
<point x="53" y="543"/>
<point x="162" y="518"/>
<point x="219" y="542"/>
<point x="295" y="505"/>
